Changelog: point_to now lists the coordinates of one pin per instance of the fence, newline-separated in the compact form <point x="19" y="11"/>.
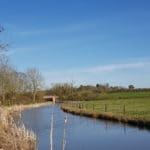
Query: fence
<point x="100" y="108"/>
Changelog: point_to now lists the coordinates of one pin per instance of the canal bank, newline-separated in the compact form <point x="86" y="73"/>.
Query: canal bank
<point x="141" y="123"/>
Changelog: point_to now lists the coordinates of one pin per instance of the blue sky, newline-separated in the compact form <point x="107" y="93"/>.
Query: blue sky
<point x="87" y="41"/>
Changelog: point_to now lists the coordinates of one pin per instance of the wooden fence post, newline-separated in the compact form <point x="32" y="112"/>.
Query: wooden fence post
<point x="105" y="107"/>
<point x="124" y="109"/>
<point x="79" y="106"/>
<point x="93" y="107"/>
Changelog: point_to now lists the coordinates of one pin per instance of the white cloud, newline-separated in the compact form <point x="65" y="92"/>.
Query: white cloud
<point x="91" y="75"/>
<point x="67" y="28"/>
<point x="113" y="67"/>
<point x="108" y="68"/>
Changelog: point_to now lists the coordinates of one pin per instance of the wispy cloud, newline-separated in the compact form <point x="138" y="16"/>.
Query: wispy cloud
<point x="108" y="68"/>
<point x="113" y="67"/>
<point x="66" y="28"/>
<point x="92" y="74"/>
<point x="51" y="30"/>
<point x="23" y="50"/>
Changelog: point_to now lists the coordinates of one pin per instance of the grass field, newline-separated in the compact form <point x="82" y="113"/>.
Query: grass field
<point x="137" y="108"/>
<point x="133" y="106"/>
<point x="124" y="95"/>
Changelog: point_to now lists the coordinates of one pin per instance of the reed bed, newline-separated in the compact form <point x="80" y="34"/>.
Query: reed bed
<point x="13" y="137"/>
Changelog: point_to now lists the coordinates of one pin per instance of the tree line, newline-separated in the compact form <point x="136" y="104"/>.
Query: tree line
<point x="68" y="91"/>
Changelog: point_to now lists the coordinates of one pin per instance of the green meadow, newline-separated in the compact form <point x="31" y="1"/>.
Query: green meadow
<point x="135" y="105"/>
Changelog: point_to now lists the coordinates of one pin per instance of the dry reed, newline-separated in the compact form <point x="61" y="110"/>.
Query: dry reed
<point x="13" y="137"/>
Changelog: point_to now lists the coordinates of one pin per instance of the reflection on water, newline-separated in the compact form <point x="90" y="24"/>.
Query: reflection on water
<point x="81" y="133"/>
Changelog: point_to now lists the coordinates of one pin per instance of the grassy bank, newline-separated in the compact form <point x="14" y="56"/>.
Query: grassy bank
<point x="135" y="111"/>
<point x="13" y="137"/>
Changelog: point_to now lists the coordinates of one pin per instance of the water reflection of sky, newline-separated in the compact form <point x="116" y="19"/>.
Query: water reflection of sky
<point x="83" y="133"/>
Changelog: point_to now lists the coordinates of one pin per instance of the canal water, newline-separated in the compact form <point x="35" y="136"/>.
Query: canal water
<point x="82" y="133"/>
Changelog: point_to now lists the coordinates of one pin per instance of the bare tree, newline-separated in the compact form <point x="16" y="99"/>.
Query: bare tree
<point x="34" y="81"/>
<point x="3" y="82"/>
<point x="65" y="91"/>
<point x="3" y="49"/>
<point x="3" y="68"/>
<point x="22" y="82"/>
<point x="8" y="82"/>
<point x="13" y="82"/>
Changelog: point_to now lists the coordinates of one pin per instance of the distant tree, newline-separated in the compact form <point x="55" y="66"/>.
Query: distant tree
<point x="103" y="87"/>
<point x="65" y="91"/>
<point x="34" y="81"/>
<point x="97" y="85"/>
<point x="131" y="87"/>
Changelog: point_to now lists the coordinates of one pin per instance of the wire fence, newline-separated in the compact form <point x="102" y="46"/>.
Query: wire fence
<point x="131" y="110"/>
<point x="121" y="108"/>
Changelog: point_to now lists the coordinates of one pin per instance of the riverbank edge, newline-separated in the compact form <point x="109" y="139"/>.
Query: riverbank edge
<point x="22" y="138"/>
<point x="141" y="123"/>
<point x="20" y="108"/>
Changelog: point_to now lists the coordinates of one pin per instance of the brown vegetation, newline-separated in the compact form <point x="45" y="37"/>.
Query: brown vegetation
<point x="13" y="137"/>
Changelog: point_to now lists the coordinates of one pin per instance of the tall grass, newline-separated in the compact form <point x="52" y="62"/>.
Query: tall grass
<point x="13" y="137"/>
